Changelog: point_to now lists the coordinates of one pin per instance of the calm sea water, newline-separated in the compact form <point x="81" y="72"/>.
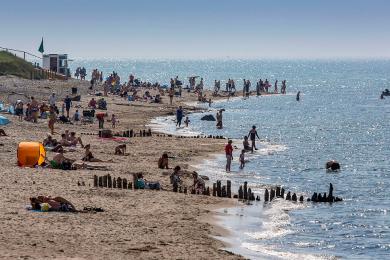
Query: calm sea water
<point x="340" y="116"/>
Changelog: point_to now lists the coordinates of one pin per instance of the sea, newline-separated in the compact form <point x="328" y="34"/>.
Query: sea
<point x="340" y="116"/>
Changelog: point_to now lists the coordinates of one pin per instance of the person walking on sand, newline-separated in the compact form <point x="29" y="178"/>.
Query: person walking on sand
<point x="68" y="103"/>
<point x="229" y="155"/>
<point x="253" y="134"/>
<point x="179" y="116"/>
<point x="52" y="119"/>
<point x="52" y="99"/>
<point x="171" y="93"/>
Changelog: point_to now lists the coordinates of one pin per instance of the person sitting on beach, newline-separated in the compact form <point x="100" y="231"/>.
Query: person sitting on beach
<point x="75" y="140"/>
<point x="163" y="161"/>
<point x="120" y="149"/>
<point x="55" y="204"/>
<point x="2" y="132"/>
<point x="64" y="140"/>
<point x="175" y="178"/>
<point x="76" y="116"/>
<point x="246" y="145"/>
<point x="49" y="141"/>
<point x="199" y="184"/>
<point x="92" y="103"/>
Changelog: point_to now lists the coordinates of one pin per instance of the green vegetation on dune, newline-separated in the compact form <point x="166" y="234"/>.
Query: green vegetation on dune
<point x="12" y="65"/>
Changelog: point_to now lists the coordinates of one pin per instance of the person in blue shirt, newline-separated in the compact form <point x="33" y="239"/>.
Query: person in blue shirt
<point x="179" y="116"/>
<point x="68" y="103"/>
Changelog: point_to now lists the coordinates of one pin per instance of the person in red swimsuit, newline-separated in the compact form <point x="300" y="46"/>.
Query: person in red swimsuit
<point x="229" y="155"/>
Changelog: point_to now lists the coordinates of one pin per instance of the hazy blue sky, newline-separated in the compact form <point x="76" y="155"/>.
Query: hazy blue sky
<point x="199" y="28"/>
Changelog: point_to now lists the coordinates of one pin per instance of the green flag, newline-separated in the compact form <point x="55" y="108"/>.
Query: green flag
<point x="41" y="50"/>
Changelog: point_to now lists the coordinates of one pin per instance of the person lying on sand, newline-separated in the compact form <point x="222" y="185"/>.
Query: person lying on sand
<point x="88" y="157"/>
<point x="59" y="161"/>
<point x="120" y="149"/>
<point x="2" y="132"/>
<point x="55" y="204"/>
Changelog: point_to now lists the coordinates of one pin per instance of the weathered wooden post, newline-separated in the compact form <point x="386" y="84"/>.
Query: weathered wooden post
<point x="294" y="197"/>
<point x="266" y="195"/>
<point x="229" y="189"/>
<point x="95" y="181"/>
<point x="214" y="189"/>
<point x="245" y="190"/>
<point x="208" y="191"/>
<point x="109" y="181"/>
<point x="130" y="185"/>
<point x="105" y="181"/>
<point x="301" y="198"/>
<point x="272" y="196"/>
<point x="114" y="183"/>
<point x="219" y="193"/>
<point x="288" y="196"/>
<point x="278" y="192"/>
<point x="124" y="183"/>
<point x="119" y="183"/>
<point x="249" y="194"/>
<point x="282" y="193"/>
<point x="185" y="190"/>
<point x="100" y="181"/>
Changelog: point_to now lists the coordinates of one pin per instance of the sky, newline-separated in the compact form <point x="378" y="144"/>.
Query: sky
<point x="199" y="29"/>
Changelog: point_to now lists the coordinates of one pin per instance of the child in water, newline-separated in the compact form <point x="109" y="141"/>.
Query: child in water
<point x="186" y="121"/>
<point x="242" y="159"/>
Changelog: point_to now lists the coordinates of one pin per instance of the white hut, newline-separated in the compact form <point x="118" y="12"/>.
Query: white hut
<point x="56" y="62"/>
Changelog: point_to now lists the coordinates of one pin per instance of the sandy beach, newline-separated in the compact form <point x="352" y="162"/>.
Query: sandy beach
<point x="135" y="224"/>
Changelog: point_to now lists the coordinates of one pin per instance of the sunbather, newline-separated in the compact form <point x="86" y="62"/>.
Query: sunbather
<point x="55" y="204"/>
<point x="120" y="149"/>
<point x="88" y="157"/>
<point x="2" y="133"/>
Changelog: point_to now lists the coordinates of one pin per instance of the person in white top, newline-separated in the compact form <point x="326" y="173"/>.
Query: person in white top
<point x="52" y="99"/>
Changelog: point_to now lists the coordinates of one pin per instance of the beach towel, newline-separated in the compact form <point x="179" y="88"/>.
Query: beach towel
<point x="3" y="120"/>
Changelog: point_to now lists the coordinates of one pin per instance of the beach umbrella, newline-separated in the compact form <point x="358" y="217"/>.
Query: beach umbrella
<point x="3" y="120"/>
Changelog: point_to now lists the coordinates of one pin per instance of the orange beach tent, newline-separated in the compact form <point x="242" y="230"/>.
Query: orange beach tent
<point x="31" y="154"/>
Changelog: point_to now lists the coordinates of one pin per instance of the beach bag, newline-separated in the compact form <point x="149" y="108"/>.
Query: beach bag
<point x="140" y="184"/>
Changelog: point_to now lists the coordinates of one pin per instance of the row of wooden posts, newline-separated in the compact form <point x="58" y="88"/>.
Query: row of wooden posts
<point x="316" y="197"/>
<point x="127" y="133"/>
<point x="193" y="136"/>
<point x="107" y="181"/>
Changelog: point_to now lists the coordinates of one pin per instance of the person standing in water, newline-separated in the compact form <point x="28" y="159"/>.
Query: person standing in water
<point x="179" y="116"/>
<point x="229" y="155"/>
<point x="298" y="95"/>
<point x="219" y="119"/>
<point x="252" y="135"/>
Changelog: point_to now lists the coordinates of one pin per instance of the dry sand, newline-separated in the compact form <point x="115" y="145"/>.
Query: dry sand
<point x="141" y="224"/>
